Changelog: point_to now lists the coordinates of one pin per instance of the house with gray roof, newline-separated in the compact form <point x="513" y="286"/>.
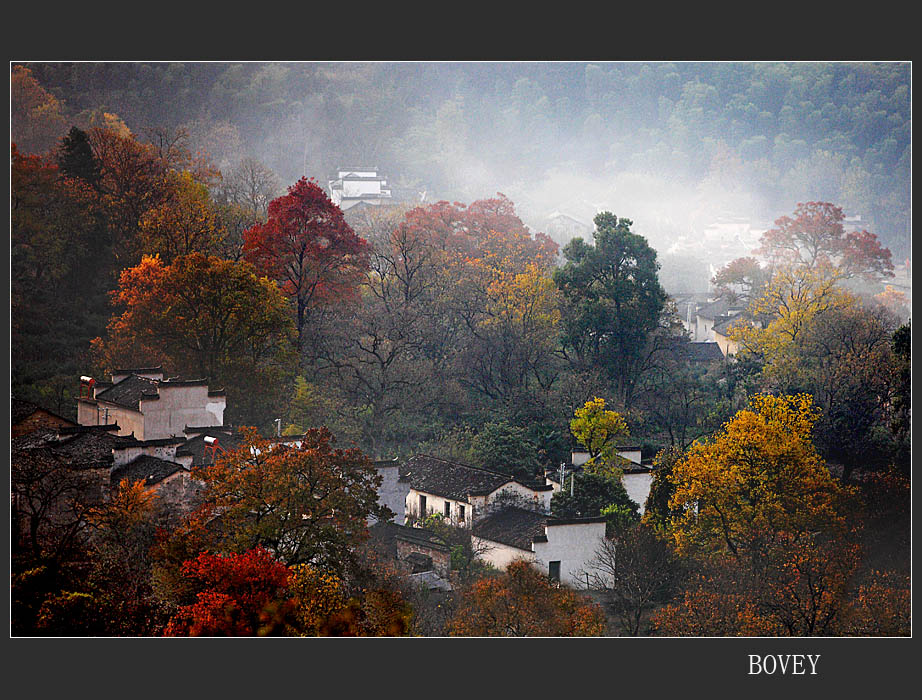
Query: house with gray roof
<point x="148" y="406"/>
<point x="461" y="492"/>
<point x="714" y="313"/>
<point x="560" y="547"/>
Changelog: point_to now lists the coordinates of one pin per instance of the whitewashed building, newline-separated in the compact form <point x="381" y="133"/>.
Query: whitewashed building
<point x="560" y="548"/>
<point x="146" y="405"/>
<point x="636" y="476"/>
<point x="361" y="184"/>
<point x="460" y="492"/>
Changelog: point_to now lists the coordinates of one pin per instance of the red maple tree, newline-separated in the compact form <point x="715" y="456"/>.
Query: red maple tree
<point x="309" y="248"/>
<point x="237" y="595"/>
<point x="815" y="235"/>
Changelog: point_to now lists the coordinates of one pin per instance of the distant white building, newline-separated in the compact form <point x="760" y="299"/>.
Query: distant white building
<point x="461" y="493"/>
<point x="636" y="476"/>
<point x="354" y="185"/>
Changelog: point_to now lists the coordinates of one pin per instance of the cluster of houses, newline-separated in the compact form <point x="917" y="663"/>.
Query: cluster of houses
<point x="142" y="426"/>
<point x="707" y="322"/>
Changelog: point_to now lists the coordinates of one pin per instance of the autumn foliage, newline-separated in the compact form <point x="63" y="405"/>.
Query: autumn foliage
<point x="235" y="595"/>
<point x="757" y="477"/>
<point x="522" y="603"/>
<point x="306" y="503"/>
<point x="307" y="246"/>
<point x="815" y="235"/>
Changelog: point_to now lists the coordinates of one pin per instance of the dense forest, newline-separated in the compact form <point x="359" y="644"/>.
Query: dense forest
<point x="178" y="215"/>
<point x="751" y="139"/>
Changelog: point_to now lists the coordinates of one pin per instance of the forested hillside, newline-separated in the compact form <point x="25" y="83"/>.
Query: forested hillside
<point x="753" y="139"/>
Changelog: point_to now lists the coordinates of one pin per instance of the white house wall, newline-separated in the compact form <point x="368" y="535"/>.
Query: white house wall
<point x="436" y="504"/>
<point x="177" y="407"/>
<point x="393" y="492"/>
<point x="520" y="491"/>
<point x="638" y="488"/>
<point x="500" y="555"/>
<point x="574" y="546"/>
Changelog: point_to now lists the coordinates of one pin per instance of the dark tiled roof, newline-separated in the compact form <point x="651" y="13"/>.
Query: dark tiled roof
<point x="150" y="470"/>
<point x="419" y="536"/>
<point x="128" y="392"/>
<point x="516" y="527"/>
<point x="20" y="410"/>
<point x="101" y="428"/>
<point x="90" y="448"/>
<point x="195" y="446"/>
<point x="718" y="308"/>
<point x="575" y="521"/>
<point x="139" y="370"/>
<point x="723" y="326"/>
<point x="213" y="430"/>
<point x="450" y="479"/>
<point x="703" y="352"/>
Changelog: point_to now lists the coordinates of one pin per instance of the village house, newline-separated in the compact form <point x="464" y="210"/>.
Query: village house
<point x="147" y="406"/>
<point x="715" y="313"/>
<point x="636" y="473"/>
<point x="394" y="489"/>
<point x="727" y="345"/>
<point x="352" y="186"/>
<point x="560" y="548"/>
<point x="508" y="519"/>
<point x="459" y="492"/>
<point x="27" y="417"/>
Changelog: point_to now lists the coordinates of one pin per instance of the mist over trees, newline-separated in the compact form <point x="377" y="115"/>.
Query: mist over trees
<point x="751" y="138"/>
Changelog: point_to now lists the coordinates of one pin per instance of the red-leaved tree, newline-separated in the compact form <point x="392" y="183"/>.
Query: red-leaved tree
<point x="309" y="248"/>
<point x="815" y="235"/>
<point x="238" y="595"/>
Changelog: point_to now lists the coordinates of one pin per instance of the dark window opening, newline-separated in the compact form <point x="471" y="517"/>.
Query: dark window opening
<point x="422" y="506"/>
<point x="553" y="571"/>
<point x="448" y="509"/>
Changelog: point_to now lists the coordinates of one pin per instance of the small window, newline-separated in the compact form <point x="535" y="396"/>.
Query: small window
<point x="448" y="510"/>
<point x="460" y="513"/>
<point x="553" y="571"/>
<point x="422" y="506"/>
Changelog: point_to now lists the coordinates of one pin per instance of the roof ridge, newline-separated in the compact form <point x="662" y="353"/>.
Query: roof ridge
<point x="464" y="464"/>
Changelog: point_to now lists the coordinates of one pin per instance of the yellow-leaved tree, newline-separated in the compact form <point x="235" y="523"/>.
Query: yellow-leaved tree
<point x="599" y="431"/>
<point x="758" y="479"/>
<point x="792" y="300"/>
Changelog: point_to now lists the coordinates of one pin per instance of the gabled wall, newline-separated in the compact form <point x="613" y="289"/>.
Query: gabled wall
<point x="574" y="546"/>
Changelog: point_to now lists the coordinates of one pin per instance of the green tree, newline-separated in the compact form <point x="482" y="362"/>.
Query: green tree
<point x="593" y="492"/>
<point x="612" y="301"/>
<point x="503" y="447"/>
<point x="75" y="157"/>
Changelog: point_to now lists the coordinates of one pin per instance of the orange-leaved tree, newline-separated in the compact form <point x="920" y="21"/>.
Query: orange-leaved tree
<point x="307" y="502"/>
<point x="758" y="477"/>
<point x="205" y="317"/>
<point x="522" y="603"/>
